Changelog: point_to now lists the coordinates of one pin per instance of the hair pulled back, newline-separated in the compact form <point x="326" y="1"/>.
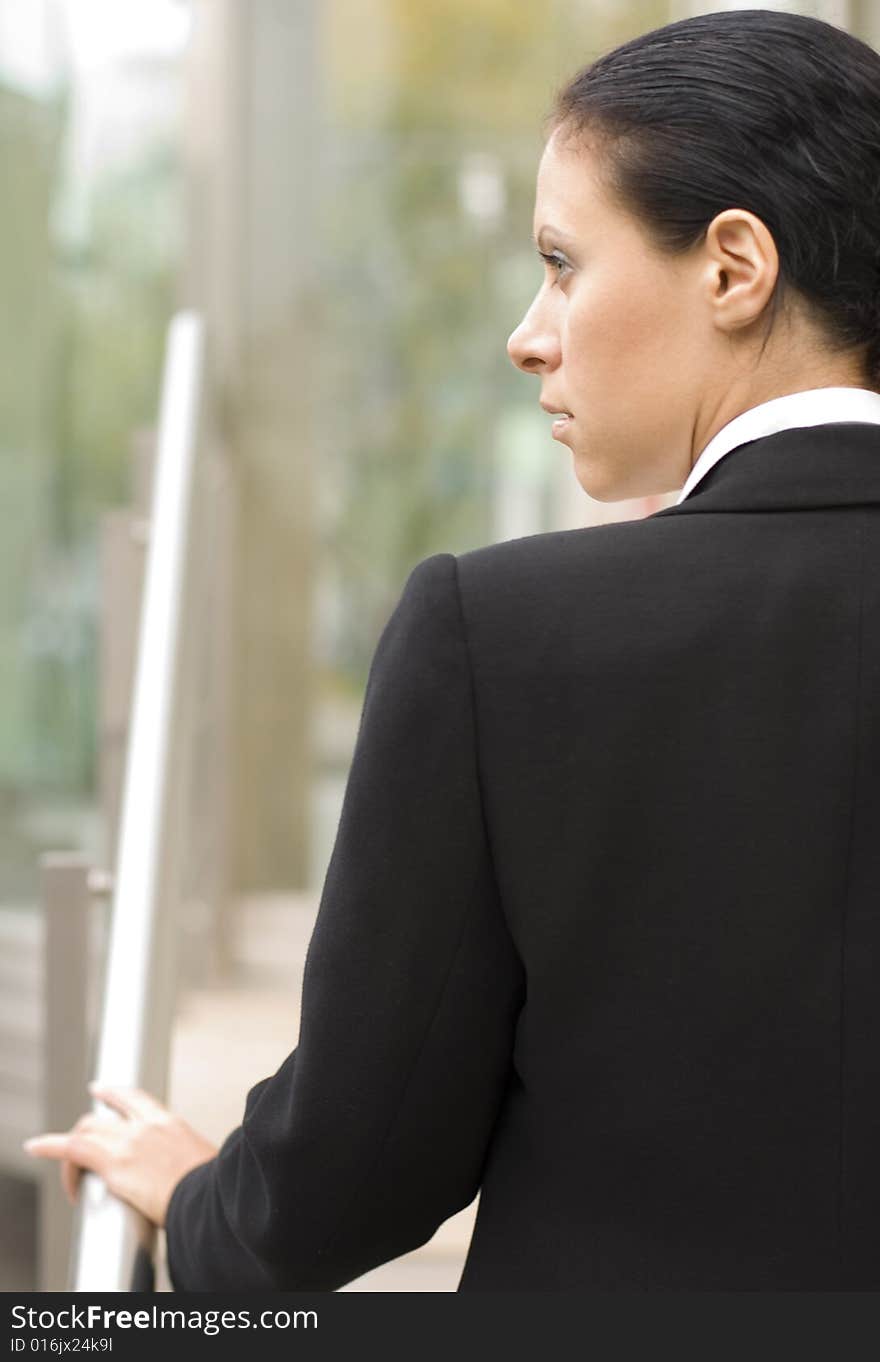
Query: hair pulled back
<point x="773" y="112"/>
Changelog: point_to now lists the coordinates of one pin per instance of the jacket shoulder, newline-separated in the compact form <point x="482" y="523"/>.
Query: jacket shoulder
<point x="550" y="556"/>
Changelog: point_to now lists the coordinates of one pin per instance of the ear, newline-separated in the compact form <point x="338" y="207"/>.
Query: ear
<point x="742" y="267"/>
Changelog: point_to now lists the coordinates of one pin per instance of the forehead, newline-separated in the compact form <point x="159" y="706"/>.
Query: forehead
<point x="568" y="193"/>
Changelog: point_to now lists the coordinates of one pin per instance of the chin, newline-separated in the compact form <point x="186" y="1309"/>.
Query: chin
<point x="597" y="494"/>
<point x="603" y="487"/>
<point x="610" y="485"/>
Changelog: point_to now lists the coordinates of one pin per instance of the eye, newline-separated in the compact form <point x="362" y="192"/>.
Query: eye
<point x="555" y="261"/>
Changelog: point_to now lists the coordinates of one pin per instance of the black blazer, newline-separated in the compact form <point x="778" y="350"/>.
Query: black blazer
<point x="600" y="934"/>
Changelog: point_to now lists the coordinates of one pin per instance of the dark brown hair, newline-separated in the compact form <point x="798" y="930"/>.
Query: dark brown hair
<point x="773" y="112"/>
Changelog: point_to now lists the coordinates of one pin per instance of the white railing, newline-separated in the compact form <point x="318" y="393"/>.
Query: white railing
<point x="112" y="1246"/>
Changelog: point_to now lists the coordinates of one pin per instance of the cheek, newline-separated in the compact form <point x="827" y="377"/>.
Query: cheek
<point x="619" y="329"/>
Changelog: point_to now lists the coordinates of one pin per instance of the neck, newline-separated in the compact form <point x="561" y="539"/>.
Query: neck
<point x="718" y="408"/>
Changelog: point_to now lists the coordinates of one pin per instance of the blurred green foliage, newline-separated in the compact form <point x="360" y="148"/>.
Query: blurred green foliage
<point x="81" y="332"/>
<point x="416" y="295"/>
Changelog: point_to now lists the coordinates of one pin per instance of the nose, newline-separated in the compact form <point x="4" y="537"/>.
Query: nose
<point x="534" y="345"/>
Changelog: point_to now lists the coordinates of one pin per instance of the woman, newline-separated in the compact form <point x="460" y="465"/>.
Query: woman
<point x="600" y="932"/>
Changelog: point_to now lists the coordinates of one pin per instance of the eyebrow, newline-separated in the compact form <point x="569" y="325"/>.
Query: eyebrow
<point x="541" y="239"/>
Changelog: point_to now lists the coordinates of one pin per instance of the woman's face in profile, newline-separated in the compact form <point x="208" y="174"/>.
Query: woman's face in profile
<point x="614" y="334"/>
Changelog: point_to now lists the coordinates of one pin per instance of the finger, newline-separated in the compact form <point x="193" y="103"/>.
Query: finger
<point x="70" y="1180"/>
<point x="49" y="1146"/>
<point x="128" y="1101"/>
<point x="88" y="1149"/>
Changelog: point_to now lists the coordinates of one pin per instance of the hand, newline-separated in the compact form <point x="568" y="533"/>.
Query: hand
<point x="141" y="1158"/>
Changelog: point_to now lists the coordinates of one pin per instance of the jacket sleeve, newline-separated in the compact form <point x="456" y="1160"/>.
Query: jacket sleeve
<point x="375" y="1128"/>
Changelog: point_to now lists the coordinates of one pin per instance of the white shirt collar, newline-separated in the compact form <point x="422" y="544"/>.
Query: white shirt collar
<point x="814" y="407"/>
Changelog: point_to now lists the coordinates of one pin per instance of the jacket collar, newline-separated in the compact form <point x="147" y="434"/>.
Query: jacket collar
<point x="792" y="470"/>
